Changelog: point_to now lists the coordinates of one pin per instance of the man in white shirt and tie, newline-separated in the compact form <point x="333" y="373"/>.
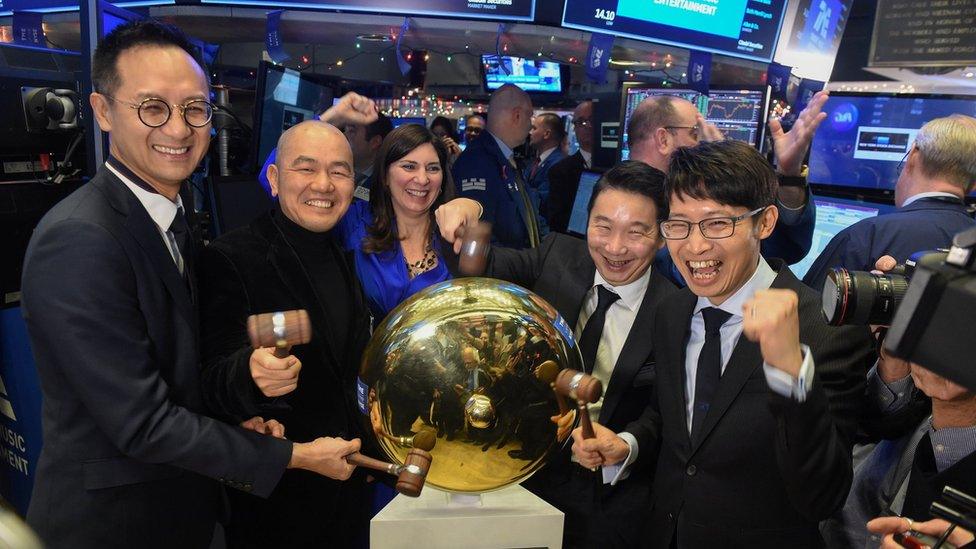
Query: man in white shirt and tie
<point x="750" y="436"/>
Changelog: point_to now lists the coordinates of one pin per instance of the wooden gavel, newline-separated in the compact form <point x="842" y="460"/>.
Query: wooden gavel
<point x="584" y="389"/>
<point x="475" y="243"/>
<point x="546" y="373"/>
<point x="410" y="476"/>
<point x="280" y="330"/>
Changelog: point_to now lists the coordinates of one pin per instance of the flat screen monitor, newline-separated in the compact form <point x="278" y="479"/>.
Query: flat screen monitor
<point x="866" y="136"/>
<point x="531" y="75"/>
<point x="579" y="217"/>
<point x="740" y="114"/>
<point x="284" y="98"/>
<point x="397" y="122"/>
<point x="741" y="28"/>
<point x="7" y="7"/>
<point x="833" y="216"/>
<point x="509" y="10"/>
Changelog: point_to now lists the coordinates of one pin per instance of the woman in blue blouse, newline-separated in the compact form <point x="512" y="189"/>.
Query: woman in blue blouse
<point x="397" y="241"/>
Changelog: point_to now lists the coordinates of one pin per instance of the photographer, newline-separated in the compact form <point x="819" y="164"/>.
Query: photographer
<point x="937" y="173"/>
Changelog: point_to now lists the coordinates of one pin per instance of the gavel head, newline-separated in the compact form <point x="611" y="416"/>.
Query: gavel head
<point x="579" y="386"/>
<point x="475" y="241"/>
<point x="547" y="371"/>
<point x="413" y="474"/>
<point x="281" y="329"/>
<point x="424" y="440"/>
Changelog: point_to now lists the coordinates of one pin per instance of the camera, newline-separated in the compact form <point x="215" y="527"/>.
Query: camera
<point x="861" y="298"/>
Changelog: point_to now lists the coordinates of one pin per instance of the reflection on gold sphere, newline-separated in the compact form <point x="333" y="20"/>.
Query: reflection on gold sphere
<point x="461" y="360"/>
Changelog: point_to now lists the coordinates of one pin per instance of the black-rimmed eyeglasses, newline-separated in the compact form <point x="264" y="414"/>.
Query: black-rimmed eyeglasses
<point x="581" y="122"/>
<point x="155" y="112"/>
<point x="712" y="228"/>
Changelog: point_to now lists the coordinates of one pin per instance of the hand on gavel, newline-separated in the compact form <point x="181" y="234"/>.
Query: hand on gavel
<point x="603" y="448"/>
<point x="584" y="389"/>
<point x="326" y="456"/>
<point x="274" y="371"/>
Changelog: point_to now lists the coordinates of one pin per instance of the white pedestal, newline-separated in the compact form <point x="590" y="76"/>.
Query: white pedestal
<point x="509" y="518"/>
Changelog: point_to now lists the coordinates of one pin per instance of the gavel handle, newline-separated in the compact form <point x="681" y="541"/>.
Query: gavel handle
<point x="282" y="352"/>
<point x="585" y="423"/>
<point x="360" y="460"/>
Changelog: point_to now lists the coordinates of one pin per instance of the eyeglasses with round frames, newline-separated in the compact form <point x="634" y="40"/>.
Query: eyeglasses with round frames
<point x="713" y="228"/>
<point x="155" y="112"/>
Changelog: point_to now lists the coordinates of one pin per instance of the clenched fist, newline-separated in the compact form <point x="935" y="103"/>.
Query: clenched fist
<point x="772" y="319"/>
<point x="274" y="376"/>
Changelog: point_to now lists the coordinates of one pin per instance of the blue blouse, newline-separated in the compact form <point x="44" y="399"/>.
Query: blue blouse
<point x="383" y="275"/>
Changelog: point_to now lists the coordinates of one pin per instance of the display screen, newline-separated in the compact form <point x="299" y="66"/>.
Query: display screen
<point x="742" y="28"/>
<point x="833" y="216"/>
<point x="579" y="217"/>
<point x="7" y="7"/>
<point x="528" y="74"/>
<point x="512" y="10"/>
<point x="285" y="98"/>
<point x="740" y="114"/>
<point x="397" y="122"/>
<point x="866" y="136"/>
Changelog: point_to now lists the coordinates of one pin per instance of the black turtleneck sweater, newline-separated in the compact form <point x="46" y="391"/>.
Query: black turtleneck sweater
<point x="324" y="263"/>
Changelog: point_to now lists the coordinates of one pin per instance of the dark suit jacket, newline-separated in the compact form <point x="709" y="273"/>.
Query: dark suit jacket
<point x="767" y="468"/>
<point x="926" y="224"/>
<point x="561" y="271"/>
<point x="255" y="270"/>
<point x="564" y="177"/>
<point x="114" y="335"/>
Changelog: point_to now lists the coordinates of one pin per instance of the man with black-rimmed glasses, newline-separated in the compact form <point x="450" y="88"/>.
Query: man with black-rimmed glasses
<point x="110" y="302"/>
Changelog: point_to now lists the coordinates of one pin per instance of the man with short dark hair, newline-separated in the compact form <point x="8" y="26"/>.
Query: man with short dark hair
<point x="662" y="124"/>
<point x="365" y="140"/>
<point x="109" y="297"/>
<point x="487" y="171"/>
<point x="564" y="176"/>
<point x="474" y="124"/>
<point x="607" y="293"/>
<point x="545" y="140"/>
<point x="938" y="172"/>
<point x="750" y="436"/>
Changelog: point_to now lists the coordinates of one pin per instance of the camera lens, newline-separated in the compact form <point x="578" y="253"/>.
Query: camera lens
<point x="861" y="298"/>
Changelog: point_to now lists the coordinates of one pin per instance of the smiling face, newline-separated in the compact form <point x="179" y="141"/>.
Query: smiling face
<point x="622" y="235"/>
<point x="717" y="268"/>
<point x="415" y="181"/>
<point x="165" y="156"/>
<point x="313" y="176"/>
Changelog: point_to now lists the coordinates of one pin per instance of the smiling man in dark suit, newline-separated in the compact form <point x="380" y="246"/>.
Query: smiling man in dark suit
<point x="110" y="303"/>
<point x="607" y="292"/>
<point x="751" y="435"/>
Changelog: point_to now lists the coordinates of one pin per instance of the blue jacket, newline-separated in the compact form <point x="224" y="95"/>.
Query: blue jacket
<point x="539" y="184"/>
<point x="926" y="224"/>
<point x="483" y="173"/>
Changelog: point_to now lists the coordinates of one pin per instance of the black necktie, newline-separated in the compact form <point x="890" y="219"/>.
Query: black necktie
<point x="593" y="330"/>
<point x="709" y="367"/>
<point x="181" y="237"/>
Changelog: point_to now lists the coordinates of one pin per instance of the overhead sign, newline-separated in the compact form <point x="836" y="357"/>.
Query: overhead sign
<point x="921" y="33"/>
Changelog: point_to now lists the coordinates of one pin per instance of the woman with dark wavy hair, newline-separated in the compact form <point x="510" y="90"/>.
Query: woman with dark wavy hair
<point x="395" y="237"/>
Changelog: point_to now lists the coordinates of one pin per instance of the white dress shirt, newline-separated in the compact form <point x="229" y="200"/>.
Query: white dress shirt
<point x="161" y="210"/>
<point x="932" y="194"/>
<point x="587" y="158"/>
<point x="545" y="154"/>
<point x="616" y="328"/>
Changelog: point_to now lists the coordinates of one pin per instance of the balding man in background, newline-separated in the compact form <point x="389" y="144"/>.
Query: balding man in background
<point x="564" y="176"/>
<point x="487" y="172"/>
<point x="287" y="259"/>
<point x="662" y="124"/>
<point x="546" y="140"/>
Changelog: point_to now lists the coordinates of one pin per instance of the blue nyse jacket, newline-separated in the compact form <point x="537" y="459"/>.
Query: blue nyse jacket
<point x="926" y="224"/>
<point x="539" y="184"/>
<point x="483" y="173"/>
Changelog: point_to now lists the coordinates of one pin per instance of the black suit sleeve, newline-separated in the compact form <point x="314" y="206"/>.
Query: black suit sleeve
<point x="791" y="243"/>
<point x="522" y="267"/>
<point x="228" y="388"/>
<point x="564" y="179"/>
<point x="94" y="334"/>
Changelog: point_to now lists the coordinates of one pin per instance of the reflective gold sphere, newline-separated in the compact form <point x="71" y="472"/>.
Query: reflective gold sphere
<point x="470" y="361"/>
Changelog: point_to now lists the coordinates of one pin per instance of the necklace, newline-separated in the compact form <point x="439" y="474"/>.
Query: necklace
<point x="424" y="264"/>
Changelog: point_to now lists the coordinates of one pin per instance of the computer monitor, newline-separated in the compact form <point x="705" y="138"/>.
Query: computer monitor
<point x="533" y="76"/>
<point x="833" y="216"/>
<point x="739" y="113"/>
<point x="284" y="98"/>
<point x="866" y="136"/>
<point x="579" y="217"/>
